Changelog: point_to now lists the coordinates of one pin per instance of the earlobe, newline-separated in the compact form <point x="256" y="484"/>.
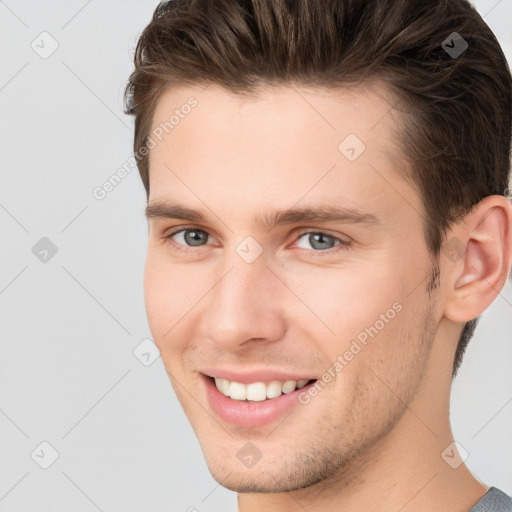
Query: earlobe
<point x="479" y="274"/>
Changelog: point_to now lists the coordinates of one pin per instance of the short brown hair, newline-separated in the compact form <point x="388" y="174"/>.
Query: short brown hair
<point x="458" y="136"/>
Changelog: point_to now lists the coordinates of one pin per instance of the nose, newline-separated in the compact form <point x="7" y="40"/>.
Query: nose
<point x="244" y="307"/>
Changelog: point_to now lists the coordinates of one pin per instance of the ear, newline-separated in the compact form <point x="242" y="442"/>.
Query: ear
<point x="476" y="258"/>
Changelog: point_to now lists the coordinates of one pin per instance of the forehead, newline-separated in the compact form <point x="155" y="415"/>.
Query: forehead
<point x="278" y="145"/>
<point x="367" y="107"/>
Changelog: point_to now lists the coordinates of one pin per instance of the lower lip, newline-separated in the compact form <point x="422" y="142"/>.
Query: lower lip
<point x="250" y="414"/>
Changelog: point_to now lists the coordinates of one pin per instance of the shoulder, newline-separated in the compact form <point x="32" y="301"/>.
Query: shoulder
<point x="493" y="500"/>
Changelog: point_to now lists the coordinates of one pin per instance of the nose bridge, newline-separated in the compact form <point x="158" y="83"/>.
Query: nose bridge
<point x="243" y="305"/>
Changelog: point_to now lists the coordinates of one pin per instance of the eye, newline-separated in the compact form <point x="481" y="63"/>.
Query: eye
<point x="318" y="241"/>
<point x="189" y="237"/>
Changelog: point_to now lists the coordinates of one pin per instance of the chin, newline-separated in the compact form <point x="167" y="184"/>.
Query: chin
<point x="272" y="476"/>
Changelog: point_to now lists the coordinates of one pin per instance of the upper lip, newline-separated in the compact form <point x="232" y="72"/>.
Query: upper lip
<point x="250" y="376"/>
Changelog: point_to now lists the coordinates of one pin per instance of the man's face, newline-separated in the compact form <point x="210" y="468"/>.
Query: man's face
<point x="251" y="292"/>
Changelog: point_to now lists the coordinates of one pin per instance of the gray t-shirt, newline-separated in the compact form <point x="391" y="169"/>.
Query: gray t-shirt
<point x="493" y="500"/>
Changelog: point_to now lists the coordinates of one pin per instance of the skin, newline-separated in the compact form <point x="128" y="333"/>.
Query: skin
<point x="372" y="439"/>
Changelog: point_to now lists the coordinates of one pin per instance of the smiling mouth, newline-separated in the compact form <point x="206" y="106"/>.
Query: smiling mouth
<point x="258" y="391"/>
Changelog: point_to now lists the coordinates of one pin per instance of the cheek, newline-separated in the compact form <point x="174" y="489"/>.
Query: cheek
<point x="168" y="296"/>
<point x="346" y="301"/>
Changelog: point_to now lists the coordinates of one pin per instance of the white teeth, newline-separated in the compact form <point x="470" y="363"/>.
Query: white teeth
<point x="222" y="385"/>
<point x="289" y="386"/>
<point x="238" y="391"/>
<point x="257" y="391"/>
<point x="274" y="389"/>
<point x="301" y="383"/>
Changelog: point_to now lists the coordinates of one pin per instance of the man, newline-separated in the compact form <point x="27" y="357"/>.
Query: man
<point x="328" y="212"/>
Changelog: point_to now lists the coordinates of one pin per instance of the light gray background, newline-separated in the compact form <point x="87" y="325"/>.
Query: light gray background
<point x="68" y="375"/>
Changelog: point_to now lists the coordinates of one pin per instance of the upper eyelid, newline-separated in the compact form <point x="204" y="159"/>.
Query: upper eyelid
<point x="300" y="234"/>
<point x="173" y="231"/>
<point x="318" y="232"/>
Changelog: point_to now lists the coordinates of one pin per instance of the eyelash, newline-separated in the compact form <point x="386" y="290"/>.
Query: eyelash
<point x="339" y="247"/>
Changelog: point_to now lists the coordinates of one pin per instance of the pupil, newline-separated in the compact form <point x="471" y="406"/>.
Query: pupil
<point x="193" y="237"/>
<point x="320" y="241"/>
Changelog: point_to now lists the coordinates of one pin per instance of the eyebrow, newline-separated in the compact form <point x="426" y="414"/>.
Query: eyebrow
<point x="322" y="213"/>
